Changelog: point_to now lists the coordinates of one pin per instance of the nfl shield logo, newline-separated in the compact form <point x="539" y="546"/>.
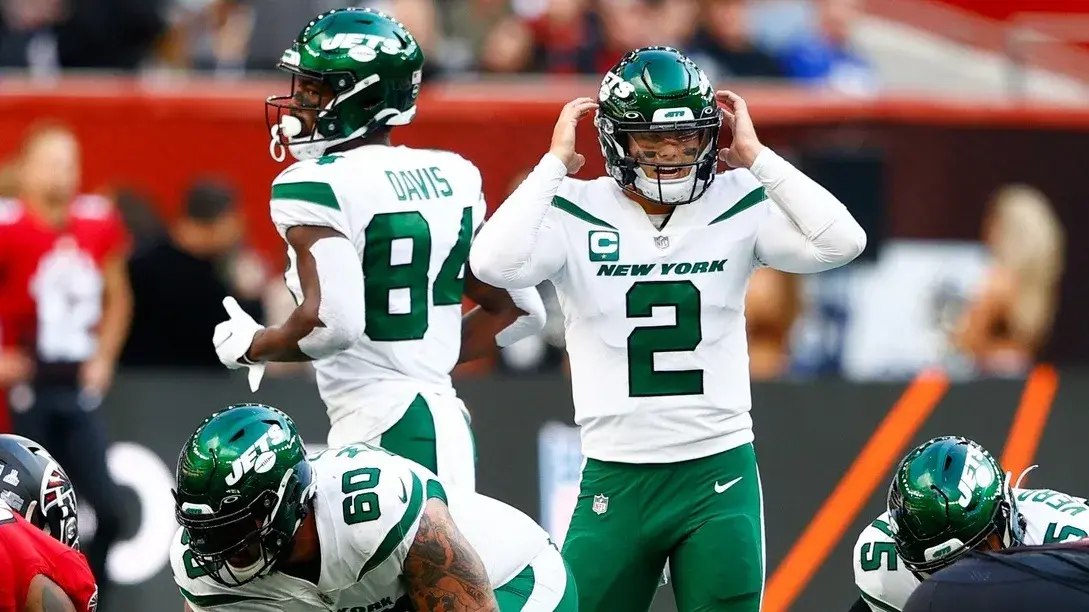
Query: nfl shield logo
<point x="601" y="504"/>
<point x="662" y="242"/>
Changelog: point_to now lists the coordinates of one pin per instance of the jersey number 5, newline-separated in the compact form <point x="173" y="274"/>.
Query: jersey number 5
<point x="396" y="283"/>
<point x="645" y="342"/>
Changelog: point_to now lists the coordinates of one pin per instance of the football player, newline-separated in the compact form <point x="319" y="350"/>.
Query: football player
<point x="41" y="569"/>
<point x="949" y="497"/>
<point x="651" y="264"/>
<point x="377" y="236"/>
<point x="267" y="529"/>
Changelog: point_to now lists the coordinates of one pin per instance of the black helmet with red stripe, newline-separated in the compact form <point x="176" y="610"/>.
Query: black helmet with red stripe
<point x="35" y="486"/>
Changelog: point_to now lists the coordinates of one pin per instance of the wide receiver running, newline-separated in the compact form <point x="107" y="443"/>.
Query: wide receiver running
<point x="267" y="529"/>
<point x="950" y="497"/>
<point x="378" y="237"/>
<point x="651" y="265"/>
<point x="41" y="569"/>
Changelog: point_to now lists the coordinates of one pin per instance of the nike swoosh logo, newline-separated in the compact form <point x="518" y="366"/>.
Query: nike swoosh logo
<point x="404" y="493"/>
<point x="720" y="488"/>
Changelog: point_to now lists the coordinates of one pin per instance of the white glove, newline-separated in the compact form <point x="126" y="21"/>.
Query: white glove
<point x="233" y="338"/>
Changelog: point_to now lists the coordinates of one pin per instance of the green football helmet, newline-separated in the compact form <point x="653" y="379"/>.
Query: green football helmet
<point x="950" y="496"/>
<point x="653" y="92"/>
<point x="353" y="71"/>
<point x="243" y="487"/>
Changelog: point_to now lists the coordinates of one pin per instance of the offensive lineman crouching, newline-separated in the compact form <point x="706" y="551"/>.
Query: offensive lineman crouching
<point x="349" y="528"/>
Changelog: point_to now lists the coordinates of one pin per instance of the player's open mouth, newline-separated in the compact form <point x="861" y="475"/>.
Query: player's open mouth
<point x="668" y="173"/>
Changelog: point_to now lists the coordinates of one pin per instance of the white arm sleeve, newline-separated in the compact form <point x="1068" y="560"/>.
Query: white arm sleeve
<point x="518" y="247"/>
<point x="340" y="277"/>
<point x="528" y="324"/>
<point x="808" y="230"/>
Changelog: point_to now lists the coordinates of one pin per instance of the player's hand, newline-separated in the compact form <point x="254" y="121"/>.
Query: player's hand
<point x="233" y="338"/>
<point x="563" y="136"/>
<point x="746" y="146"/>
<point x="96" y="376"/>
<point x="15" y="367"/>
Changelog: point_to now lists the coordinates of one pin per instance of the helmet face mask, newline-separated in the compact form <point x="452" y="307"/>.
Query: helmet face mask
<point x="367" y="69"/>
<point x="243" y="490"/>
<point x="948" y="497"/>
<point x="656" y="101"/>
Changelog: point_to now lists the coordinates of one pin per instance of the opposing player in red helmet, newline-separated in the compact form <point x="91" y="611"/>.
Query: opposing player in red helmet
<point x="41" y="568"/>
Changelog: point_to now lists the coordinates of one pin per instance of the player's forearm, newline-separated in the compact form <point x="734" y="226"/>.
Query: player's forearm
<point x="330" y="318"/>
<point x="827" y="235"/>
<point x="508" y="252"/>
<point x="478" y="330"/>
<point x="442" y="571"/>
<point x="116" y="316"/>
<point x="280" y="343"/>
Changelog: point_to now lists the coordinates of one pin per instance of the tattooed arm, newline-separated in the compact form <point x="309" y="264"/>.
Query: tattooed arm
<point x="45" y="596"/>
<point x="443" y="572"/>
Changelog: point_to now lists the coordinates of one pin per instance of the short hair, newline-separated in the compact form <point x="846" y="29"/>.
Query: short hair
<point x="208" y="199"/>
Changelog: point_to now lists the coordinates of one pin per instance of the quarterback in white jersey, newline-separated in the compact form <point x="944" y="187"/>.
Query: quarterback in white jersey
<point x="948" y="497"/>
<point x="267" y="529"/>
<point x="650" y="265"/>
<point x="378" y="237"/>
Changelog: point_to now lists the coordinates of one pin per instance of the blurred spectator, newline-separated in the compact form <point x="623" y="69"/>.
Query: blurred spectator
<point x="772" y="305"/>
<point x="1010" y="320"/>
<point x="26" y="34"/>
<point x="143" y="223"/>
<point x="209" y="35"/>
<point x="421" y="18"/>
<point x="827" y="57"/>
<point x="276" y="24"/>
<point x="487" y="33"/>
<point x="179" y="284"/>
<point x="109" y="34"/>
<point x="65" y="305"/>
<point x="724" y="46"/>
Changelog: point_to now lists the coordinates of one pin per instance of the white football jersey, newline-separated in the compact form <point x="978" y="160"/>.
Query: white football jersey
<point x="411" y="214"/>
<point x="368" y="507"/>
<point x="655" y="323"/>
<point x="886" y="584"/>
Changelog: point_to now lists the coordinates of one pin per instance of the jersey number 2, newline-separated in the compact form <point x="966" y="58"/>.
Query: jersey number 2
<point x="396" y="283"/>
<point x="645" y="342"/>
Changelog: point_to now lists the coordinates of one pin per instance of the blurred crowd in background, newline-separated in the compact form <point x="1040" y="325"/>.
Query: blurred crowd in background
<point x="797" y="40"/>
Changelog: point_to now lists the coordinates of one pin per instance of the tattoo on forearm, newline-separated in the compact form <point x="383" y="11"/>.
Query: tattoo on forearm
<point x="55" y="600"/>
<point x="443" y="571"/>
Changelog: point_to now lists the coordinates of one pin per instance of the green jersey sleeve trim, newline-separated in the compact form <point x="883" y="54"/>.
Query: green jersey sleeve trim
<point x="435" y="490"/>
<point x="396" y="535"/>
<point x="211" y="601"/>
<point x="310" y="192"/>
<point x="572" y="209"/>
<point x="877" y="603"/>
<point x="751" y="199"/>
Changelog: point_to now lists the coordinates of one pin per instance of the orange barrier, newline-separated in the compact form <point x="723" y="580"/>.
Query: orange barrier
<point x="158" y="135"/>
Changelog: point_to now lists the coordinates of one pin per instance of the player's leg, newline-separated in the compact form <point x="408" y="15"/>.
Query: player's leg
<point x="615" y="554"/>
<point x="435" y="433"/>
<point x="82" y="452"/>
<point x="545" y="585"/>
<point x="718" y="566"/>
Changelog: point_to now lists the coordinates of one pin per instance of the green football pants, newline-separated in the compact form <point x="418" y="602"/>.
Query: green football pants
<point x="705" y="516"/>
<point x="437" y="437"/>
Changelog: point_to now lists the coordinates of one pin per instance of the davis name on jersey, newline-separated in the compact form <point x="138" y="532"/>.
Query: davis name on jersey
<point x="411" y="214"/>
<point x="367" y="506"/>
<point x="886" y="584"/>
<point x="655" y="318"/>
